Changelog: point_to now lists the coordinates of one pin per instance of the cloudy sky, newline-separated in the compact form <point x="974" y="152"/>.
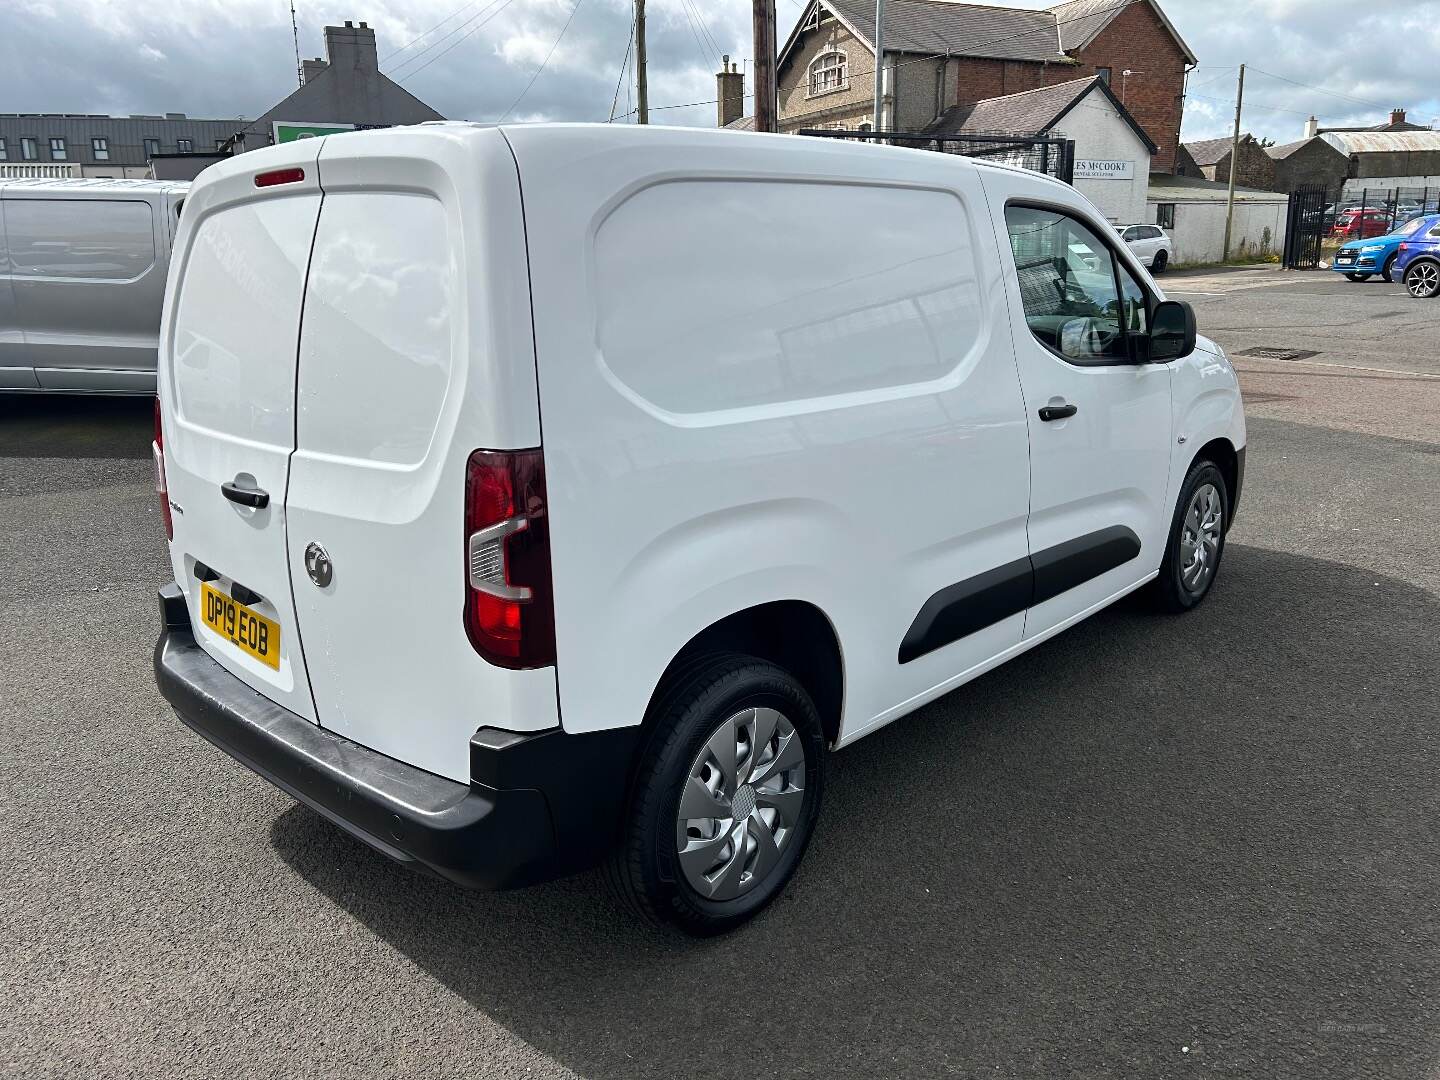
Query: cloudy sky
<point x="479" y="61"/>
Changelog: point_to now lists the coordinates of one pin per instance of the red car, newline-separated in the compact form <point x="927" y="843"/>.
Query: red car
<point x="1358" y="224"/>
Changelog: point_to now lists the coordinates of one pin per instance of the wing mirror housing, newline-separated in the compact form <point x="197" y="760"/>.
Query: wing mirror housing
<point x="1172" y="331"/>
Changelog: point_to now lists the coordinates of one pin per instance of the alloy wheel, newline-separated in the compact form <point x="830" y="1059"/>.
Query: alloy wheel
<point x="1423" y="280"/>
<point x="741" y="803"/>
<point x="1200" y="538"/>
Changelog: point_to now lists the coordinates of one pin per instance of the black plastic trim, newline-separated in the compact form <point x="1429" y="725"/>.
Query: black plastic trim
<point x="537" y="807"/>
<point x="1239" y="483"/>
<point x="959" y="610"/>
<point x="968" y="606"/>
<point x="1061" y="568"/>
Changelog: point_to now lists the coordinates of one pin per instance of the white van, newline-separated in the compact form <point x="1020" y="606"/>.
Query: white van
<point x="584" y="486"/>
<point x="82" y="277"/>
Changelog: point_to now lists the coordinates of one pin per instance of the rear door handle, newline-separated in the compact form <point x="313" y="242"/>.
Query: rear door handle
<point x="245" y="496"/>
<point x="1057" y="412"/>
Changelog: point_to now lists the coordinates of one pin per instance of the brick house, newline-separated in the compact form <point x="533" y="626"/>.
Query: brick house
<point x="1256" y="168"/>
<point x="940" y="54"/>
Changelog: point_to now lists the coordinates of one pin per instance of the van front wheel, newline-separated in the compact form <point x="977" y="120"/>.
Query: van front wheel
<point x="726" y="800"/>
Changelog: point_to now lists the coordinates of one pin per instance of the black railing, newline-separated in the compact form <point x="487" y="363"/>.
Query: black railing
<point x="1053" y="155"/>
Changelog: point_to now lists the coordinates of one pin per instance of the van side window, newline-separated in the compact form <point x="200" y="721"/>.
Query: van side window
<point x="80" y="239"/>
<point x="1068" y="286"/>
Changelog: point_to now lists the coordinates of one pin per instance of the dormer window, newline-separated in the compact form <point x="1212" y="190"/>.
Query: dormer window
<point x="829" y="72"/>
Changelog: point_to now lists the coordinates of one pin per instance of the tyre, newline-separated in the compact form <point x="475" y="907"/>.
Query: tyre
<point x="1197" y="539"/>
<point x="1422" y="279"/>
<point x="726" y="797"/>
<point x="1387" y="272"/>
<point x="1358" y="277"/>
<point x="1157" y="266"/>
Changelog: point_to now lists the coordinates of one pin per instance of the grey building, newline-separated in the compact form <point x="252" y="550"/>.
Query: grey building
<point x="85" y="144"/>
<point x="346" y="88"/>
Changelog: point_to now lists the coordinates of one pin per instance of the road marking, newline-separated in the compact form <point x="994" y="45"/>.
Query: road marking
<point x="1346" y="367"/>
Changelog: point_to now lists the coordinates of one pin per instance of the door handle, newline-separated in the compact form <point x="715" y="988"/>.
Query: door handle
<point x="245" y="496"/>
<point x="1057" y="412"/>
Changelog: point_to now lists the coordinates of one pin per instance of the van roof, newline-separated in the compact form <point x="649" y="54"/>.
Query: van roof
<point x="93" y="185"/>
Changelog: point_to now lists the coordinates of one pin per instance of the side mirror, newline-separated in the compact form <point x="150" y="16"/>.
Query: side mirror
<point x="1172" y="331"/>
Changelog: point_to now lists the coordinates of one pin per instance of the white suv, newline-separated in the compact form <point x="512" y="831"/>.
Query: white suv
<point x="1149" y="244"/>
<point x="545" y="496"/>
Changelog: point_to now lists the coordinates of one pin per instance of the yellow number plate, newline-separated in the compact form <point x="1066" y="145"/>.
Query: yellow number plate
<point x="244" y="627"/>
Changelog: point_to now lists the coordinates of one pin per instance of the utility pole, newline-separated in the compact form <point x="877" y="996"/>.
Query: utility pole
<point x="879" y="65"/>
<point x="642" y="85"/>
<point x="295" y="33"/>
<point x="766" y="103"/>
<point x="1234" y="161"/>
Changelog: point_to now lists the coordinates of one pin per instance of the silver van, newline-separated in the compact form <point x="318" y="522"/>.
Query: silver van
<point x="82" y="276"/>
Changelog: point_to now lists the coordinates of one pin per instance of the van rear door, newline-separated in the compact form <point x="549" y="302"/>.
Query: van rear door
<point x="416" y="349"/>
<point x="227" y="382"/>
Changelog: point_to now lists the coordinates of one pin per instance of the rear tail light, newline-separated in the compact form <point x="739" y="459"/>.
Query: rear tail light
<point x="158" y="450"/>
<point x="509" y="610"/>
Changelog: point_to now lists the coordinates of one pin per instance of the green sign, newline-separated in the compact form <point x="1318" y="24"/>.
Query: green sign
<point x="290" y="131"/>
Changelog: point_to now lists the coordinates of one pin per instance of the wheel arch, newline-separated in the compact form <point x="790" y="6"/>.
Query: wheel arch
<point x="1222" y="452"/>
<point x="792" y="634"/>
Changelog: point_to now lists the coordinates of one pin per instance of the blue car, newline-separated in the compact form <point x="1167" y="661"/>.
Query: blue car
<point x="1360" y="260"/>
<point x="1417" y="260"/>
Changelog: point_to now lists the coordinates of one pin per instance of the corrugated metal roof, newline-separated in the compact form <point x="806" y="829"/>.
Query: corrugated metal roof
<point x="944" y="27"/>
<point x="1382" y="142"/>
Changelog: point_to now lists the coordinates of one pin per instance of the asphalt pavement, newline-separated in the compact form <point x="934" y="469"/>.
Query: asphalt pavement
<point x="1155" y="846"/>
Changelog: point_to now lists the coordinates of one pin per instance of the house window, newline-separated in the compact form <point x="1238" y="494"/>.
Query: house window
<point x="29" y="149"/>
<point x="152" y="147"/>
<point x="57" y="149"/>
<point x="1165" y="215"/>
<point x="4" y="152"/>
<point x="829" y="72"/>
<point x="1104" y="74"/>
<point x="185" y="146"/>
<point x="101" y="149"/>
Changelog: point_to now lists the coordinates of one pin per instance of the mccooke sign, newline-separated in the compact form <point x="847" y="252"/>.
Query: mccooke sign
<point x="1092" y="169"/>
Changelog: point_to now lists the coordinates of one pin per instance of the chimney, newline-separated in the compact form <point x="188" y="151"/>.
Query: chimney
<point x="1312" y="128"/>
<point x="351" y="47"/>
<point x="1397" y="116"/>
<point x="312" y="68"/>
<point x="730" y="83"/>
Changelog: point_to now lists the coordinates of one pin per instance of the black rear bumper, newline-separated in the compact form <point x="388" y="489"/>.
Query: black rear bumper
<point x="537" y="806"/>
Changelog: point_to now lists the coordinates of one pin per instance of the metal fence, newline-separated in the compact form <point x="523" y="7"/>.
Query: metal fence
<point x="1053" y="155"/>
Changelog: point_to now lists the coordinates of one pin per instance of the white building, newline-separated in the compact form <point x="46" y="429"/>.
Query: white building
<point x="1112" y="151"/>
<point x="1192" y="211"/>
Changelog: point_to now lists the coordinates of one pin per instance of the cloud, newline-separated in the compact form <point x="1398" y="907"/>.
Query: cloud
<point x="236" y="58"/>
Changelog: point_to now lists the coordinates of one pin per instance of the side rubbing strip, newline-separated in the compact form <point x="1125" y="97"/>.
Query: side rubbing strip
<point x="1064" y="566"/>
<point x="967" y="606"/>
<point x="959" y="610"/>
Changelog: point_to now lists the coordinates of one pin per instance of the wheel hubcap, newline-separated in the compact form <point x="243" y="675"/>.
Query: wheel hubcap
<point x="1200" y="538"/>
<point x="1423" y="280"/>
<point x="741" y="803"/>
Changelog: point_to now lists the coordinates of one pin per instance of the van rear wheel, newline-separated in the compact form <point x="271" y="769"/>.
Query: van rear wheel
<point x="726" y="799"/>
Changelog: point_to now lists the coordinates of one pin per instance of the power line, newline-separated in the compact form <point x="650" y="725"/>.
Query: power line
<point x="484" y="14"/>
<point x="685" y="9"/>
<point x="386" y="58"/>
<point x="1320" y="89"/>
<point x="544" y="62"/>
<point x="463" y="37"/>
<point x="624" y="68"/>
